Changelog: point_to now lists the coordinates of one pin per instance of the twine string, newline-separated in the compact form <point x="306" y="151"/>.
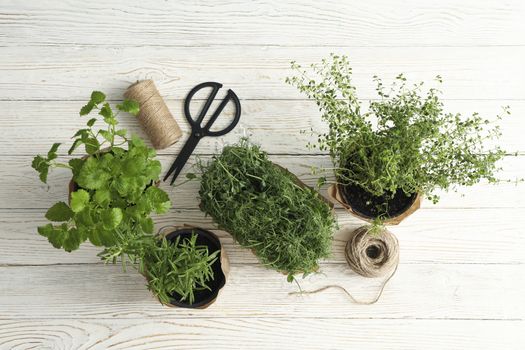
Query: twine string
<point x="369" y="255"/>
<point x="154" y="116"/>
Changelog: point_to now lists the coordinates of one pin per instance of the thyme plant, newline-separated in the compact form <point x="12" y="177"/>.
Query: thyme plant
<point x="404" y="140"/>
<point x="286" y="225"/>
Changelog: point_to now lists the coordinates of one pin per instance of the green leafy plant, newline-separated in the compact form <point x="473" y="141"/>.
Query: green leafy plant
<point x="115" y="187"/>
<point x="286" y="225"/>
<point x="178" y="268"/>
<point x="111" y="206"/>
<point x="404" y="140"/>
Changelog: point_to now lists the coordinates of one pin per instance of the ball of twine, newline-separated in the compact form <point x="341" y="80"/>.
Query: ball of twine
<point x="369" y="254"/>
<point x="154" y="116"/>
<point x="372" y="254"/>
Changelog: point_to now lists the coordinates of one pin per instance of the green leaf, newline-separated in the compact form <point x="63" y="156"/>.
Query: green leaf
<point x="158" y="199"/>
<point x="111" y="218"/>
<point x="55" y="235"/>
<point x="84" y="133"/>
<point x="163" y="207"/>
<point x="134" y="165"/>
<point x="106" y="135"/>
<point x="92" y="145"/>
<point x="60" y="236"/>
<point x="79" y="199"/>
<point x="94" y="237"/>
<point x="130" y="106"/>
<point x="153" y="169"/>
<point x="101" y="237"/>
<point x="136" y="142"/>
<point x="52" y="154"/>
<point x="121" y="132"/>
<point x="85" y="218"/>
<point x="73" y="239"/>
<point x="191" y="176"/>
<point x="97" y="97"/>
<point x="41" y="165"/>
<point x="147" y="225"/>
<point x="59" y="212"/>
<point x="74" y="146"/>
<point x="86" y="109"/>
<point x="76" y="164"/>
<point x="102" y="196"/>
<point x="107" y="113"/>
<point x="91" y="122"/>
<point x="290" y="278"/>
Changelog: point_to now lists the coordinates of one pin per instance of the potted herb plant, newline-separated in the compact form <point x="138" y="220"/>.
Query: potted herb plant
<point x="402" y="147"/>
<point x="196" y="272"/>
<point x="113" y="194"/>
<point x="265" y="208"/>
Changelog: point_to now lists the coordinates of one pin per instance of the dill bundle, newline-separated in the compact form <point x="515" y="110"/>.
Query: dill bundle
<point x="287" y="225"/>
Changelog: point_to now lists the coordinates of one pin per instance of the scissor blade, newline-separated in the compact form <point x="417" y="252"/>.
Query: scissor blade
<point x="182" y="158"/>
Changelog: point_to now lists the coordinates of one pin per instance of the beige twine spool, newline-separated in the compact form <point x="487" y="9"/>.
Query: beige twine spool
<point x="154" y="116"/>
<point x="372" y="254"/>
<point x="369" y="255"/>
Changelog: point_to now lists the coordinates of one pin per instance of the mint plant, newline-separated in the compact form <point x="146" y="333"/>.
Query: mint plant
<point x="116" y="192"/>
<point x="114" y="195"/>
<point x="404" y="141"/>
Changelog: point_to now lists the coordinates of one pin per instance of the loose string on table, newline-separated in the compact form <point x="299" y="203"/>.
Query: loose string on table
<point x="370" y="255"/>
<point x="154" y="116"/>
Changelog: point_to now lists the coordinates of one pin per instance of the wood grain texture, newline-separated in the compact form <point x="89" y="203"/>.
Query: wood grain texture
<point x="279" y="126"/>
<point x="71" y="73"/>
<point x="260" y="333"/>
<point x="21" y="187"/>
<point x="446" y="236"/>
<point x="460" y="284"/>
<point x="418" y="291"/>
<point x="264" y="22"/>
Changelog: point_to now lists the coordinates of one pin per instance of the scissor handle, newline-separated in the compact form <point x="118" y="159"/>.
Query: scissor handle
<point x="196" y="123"/>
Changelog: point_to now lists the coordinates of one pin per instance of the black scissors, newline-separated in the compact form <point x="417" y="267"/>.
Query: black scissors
<point x="197" y="131"/>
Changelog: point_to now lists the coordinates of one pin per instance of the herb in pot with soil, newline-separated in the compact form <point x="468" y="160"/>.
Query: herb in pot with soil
<point x="196" y="270"/>
<point x="402" y="147"/>
<point x="112" y="197"/>
<point x="264" y="207"/>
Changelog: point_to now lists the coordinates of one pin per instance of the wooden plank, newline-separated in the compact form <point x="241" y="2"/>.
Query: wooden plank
<point x="71" y="73"/>
<point x="279" y="126"/>
<point x="260" y="333"/>
<point x="428" y="291"/>
<point x="264" y="22"/>
<point x="21" y="187"/>
<point x="476" y="236"/>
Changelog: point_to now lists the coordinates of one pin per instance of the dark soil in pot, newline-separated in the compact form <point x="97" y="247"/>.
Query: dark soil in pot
<point x="202" y="297"/>
<point x="368" y="205"/>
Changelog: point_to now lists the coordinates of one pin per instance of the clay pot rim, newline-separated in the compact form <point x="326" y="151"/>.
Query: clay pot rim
<point x="335" y="195"/>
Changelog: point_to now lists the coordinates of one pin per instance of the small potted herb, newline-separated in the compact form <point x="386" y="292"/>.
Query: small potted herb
<point x="196" y="271"/>
<point x="402" y="147"/>
<point x="113" y="190"/>
<point x="265" y="208"/>
<point x="113" y="194"/>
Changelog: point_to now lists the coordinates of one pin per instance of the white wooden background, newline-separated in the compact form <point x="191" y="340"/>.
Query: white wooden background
<point x="460" y="284"/>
